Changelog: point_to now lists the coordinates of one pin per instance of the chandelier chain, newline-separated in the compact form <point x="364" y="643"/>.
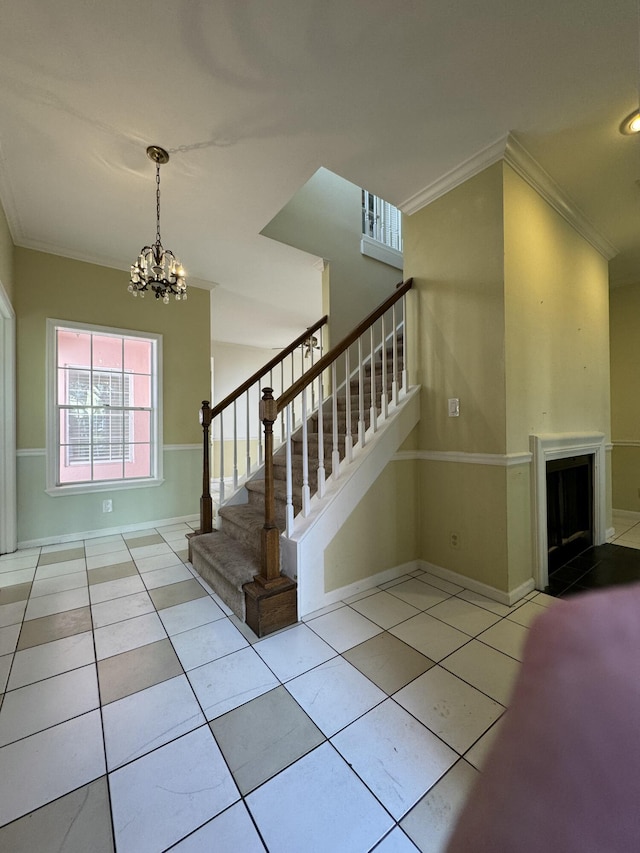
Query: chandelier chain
<point x="158" y="240"/>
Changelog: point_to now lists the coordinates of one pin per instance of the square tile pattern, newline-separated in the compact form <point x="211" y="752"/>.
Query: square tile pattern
<point x="137" y="714"/>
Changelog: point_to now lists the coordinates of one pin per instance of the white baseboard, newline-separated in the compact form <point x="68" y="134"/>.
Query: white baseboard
<point x="491" y="592"/>
<point x="627" y="513"/>
<point x="363" y="585"/>
<point x="106" y="531"/>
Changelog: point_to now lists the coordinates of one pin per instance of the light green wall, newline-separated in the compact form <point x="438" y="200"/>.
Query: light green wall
<point x="41" y="517"/>
<point x="557" y="322"/>
<point x="380" y="533"/>
<point x="64" y="289"/>
<point x="470" y="503"/>
<point x="6" y="256"/>
<point x="625" y="403"/>
<point x="510" y="314"/>
<point x="325" y="218"/>
<point x="453" y="250"/>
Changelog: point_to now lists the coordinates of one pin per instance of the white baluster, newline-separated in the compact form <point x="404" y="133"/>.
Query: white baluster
<point x="289" y="508"/>
<point x="322" y="475"/>
<point x="248" y="436"/>
<point x="306" y="492"/>
<point x="335" y="455"/>
<point x="384" y="400"/>
<point x="373" y="412"/>
<point x="282" y="424"/>
<point x="313" y="387"/>
<point x="348" y="439"/>
<point x="404" y="344"/>
<point x="361" y="424"/>
<point x="221" y="457"/>
<point x="394" y="378"/>
<point x="260" y="426"/>
<point x="235" y="446"/>
<point x="293" y="402"/>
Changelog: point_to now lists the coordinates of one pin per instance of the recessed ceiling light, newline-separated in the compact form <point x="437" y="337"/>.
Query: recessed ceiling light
<point x="631" y="124"/>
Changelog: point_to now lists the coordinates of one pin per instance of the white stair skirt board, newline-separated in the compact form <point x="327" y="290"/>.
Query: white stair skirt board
<point x="491" y="592"/>
<point x="561" y="446"/>
<point x="108" y="531"/>
<point x="366" y="583"/>
<point x="302" y="555"/>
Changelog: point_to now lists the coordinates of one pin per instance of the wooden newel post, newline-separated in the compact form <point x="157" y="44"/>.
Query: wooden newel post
<point x="271" y="599"/>
<point x="206" y="506"/>
<point x="270" y="532"/>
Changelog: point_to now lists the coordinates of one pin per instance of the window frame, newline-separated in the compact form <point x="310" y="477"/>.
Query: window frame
<point x="55" y="488"/>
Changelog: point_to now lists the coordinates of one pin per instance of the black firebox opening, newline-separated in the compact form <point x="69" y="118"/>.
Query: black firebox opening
<point x="569" y="508"/>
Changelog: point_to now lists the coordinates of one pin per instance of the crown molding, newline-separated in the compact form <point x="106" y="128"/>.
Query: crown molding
<point x="517" y="156"/>
<point x="8" y="202"/>
<point x="456" y="176"/>
<point x="509" y="149"/>
<point x="88" y="258"/>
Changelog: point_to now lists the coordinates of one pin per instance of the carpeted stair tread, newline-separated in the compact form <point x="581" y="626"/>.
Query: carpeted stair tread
<point x="280" y="467"/>
<point x="226" y="565"/>
<point x="243" y="523"/>
<point x="257" y="488"/>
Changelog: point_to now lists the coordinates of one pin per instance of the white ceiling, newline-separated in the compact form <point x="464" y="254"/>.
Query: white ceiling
<point x="251" y="97"/>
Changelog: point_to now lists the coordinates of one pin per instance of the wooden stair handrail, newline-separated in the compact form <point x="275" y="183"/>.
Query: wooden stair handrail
<point x="265" y="369"/>
<point x="292" y="392"/>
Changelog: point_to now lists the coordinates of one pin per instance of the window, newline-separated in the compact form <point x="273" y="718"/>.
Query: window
<point x="103" y="408"/>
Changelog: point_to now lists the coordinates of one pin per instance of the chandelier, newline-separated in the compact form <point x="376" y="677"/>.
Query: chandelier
<point x="157" y="268"/>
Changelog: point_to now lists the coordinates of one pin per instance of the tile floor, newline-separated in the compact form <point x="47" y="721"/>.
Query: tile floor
<point x="137" y="714"/>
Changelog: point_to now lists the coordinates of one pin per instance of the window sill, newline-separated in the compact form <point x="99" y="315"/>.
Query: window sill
<point x="107" y="486"/>
<point x="380" y="252"/>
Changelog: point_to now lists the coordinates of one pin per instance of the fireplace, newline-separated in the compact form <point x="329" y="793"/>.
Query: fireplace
<point x="572" y="462"/>
<point x="569" y="508"/>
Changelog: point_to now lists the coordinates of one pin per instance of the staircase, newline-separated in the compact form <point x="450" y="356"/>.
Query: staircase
<point x="231" y="558"/>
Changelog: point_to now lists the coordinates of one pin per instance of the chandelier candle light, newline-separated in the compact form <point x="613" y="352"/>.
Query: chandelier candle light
<point x="157" y="268"/>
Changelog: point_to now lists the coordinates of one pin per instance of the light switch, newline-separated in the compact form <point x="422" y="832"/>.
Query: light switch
<point x="454" y="407"/>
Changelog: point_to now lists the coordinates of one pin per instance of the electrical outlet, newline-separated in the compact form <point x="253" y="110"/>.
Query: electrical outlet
<point x="107" y="506"/>
<point x="454" y="540"/>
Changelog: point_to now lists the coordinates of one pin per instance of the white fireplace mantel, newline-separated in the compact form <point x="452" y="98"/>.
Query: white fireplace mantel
<point x="560" y="446"/>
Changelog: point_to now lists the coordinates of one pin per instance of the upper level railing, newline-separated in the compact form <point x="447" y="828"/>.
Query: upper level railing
<point x="381" y="221"/>
<point x="365" y="397"/>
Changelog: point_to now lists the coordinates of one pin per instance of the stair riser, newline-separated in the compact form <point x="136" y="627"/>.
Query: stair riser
<point x="252" y="539"/>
